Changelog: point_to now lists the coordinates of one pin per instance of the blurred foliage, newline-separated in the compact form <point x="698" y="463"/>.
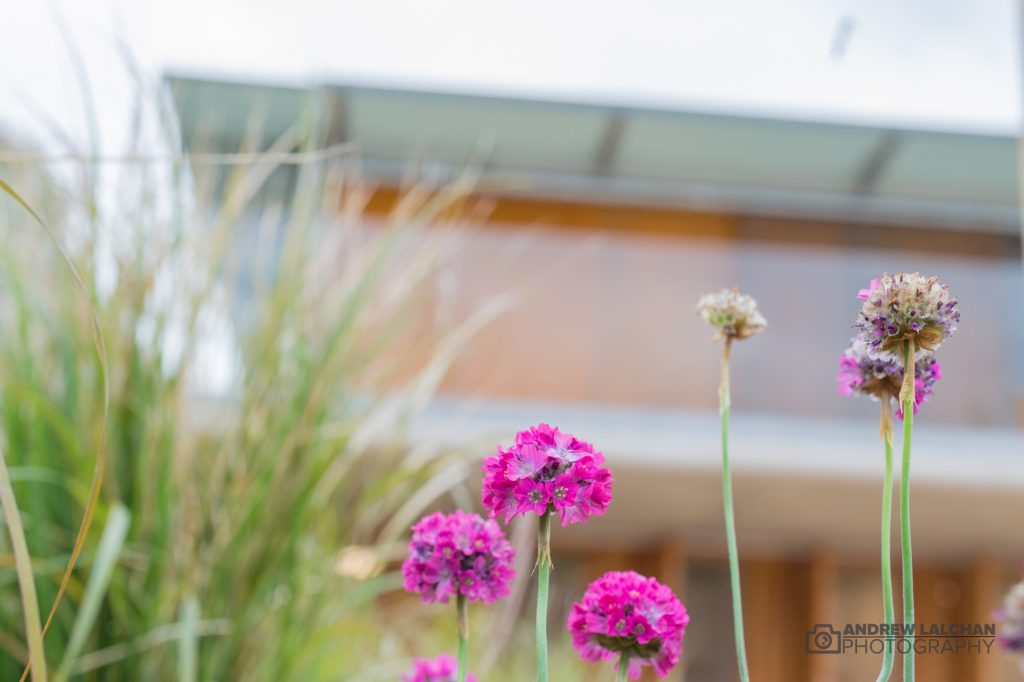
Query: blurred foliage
<point x="267" y="350"/>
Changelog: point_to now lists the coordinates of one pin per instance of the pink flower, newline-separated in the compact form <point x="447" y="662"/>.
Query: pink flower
<point x="593" y="490"/>
<point x="866" y="293"/>
<point x="850" y="376"/>
<point x="554" y="443"/>
<point x="526" y="461"/>
<point x="532" y="496"/>
<point x="444" y="668"/>
<point x="547" y="471"/>
<point x="862" y="373"/>
<point x="625" y="614"/>
<point x="499" y="495"/>
<point x="563" y="491"/>
<point x="458" y="554"/>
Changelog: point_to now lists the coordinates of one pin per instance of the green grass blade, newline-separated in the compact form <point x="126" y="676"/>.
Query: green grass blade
<point x="107" y="555"/>
<point x="101" y="452"/>
<point x="26" y="580"/>
<point x="188" y="643"/>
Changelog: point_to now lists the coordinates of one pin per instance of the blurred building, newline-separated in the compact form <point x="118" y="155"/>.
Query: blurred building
<point x="608" y="223"/>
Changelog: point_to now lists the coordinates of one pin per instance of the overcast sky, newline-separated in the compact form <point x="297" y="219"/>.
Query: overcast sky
<point x="938" y="64"/>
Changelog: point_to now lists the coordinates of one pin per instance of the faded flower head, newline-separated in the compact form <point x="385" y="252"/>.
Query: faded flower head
<point x="903" y="307"/>
<point x="1010" y="616"/>
<point x="861" y="373"/>
<point x="625" y="614"/>
<point x="444" y="668"/>
<point x="458" y="553"/>
<point x="547" y="470"/>
<point x="732" y="314"/>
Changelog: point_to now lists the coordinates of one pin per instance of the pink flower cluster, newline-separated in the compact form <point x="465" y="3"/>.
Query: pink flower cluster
<point x="547" y="470"/>
<point x="458" y="553"/>
<point x="1010" y="616"/>
<point x="625" y="614"/>
<point x="861" y="373"/>
<point x="444" y="668"/>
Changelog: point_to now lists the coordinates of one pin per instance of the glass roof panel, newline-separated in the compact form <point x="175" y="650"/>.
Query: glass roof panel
<point x="782" y="162"/>
<point x="409" y="126"/>
<point x="218" y="116"/>
<point x="744" y="151"/>
<point x="953" y="167"/>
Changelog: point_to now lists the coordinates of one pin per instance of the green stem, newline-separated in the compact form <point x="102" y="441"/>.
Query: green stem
<point x="907" y="555"/>
<point x="730" y="524"/>
<point x="887" y="598"/>
<point x="623" y="668"/>
<point x="462" y="618"/>
<point x="26" y="576"/>
<point x="543" y="575"/>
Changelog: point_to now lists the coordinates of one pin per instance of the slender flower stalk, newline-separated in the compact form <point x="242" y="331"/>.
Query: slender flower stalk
<point x="546" y="471"/>
<point x="882" y="379"/>
<point x="622" y="669"/>
<point x="888" y="607"/>
<point x="734" y="316"/>
<point x="543" y="577"/>
<point x="907" y="555"/>
<point x="730" y="523"/>
<point x="462" y="619"/>
<point x="903" y="320"/>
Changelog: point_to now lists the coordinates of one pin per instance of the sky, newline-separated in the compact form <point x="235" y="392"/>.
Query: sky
<point x="933" y="64"/>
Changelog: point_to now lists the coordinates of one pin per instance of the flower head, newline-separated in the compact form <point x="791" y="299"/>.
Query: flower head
<point x="862" y="373"/>
<point x="458" y="553"/>
<point x="547" y="470"/>
<point x="444" y="668"/>
<point x="625" y="614"/>
<point x="732" y="314"/>
<point x="1011" y="617"/>
<point x="906" y="307"/>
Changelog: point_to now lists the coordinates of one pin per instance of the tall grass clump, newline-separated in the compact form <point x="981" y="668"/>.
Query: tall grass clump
<point x="267" y="344"/>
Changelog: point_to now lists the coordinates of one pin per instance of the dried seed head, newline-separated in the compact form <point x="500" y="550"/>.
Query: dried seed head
<point x="732" y="314"/>
<point x="906" y="307"/>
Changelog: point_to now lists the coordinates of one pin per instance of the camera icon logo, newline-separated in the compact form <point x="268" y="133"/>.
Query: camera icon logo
<point x="824" y="639"/>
